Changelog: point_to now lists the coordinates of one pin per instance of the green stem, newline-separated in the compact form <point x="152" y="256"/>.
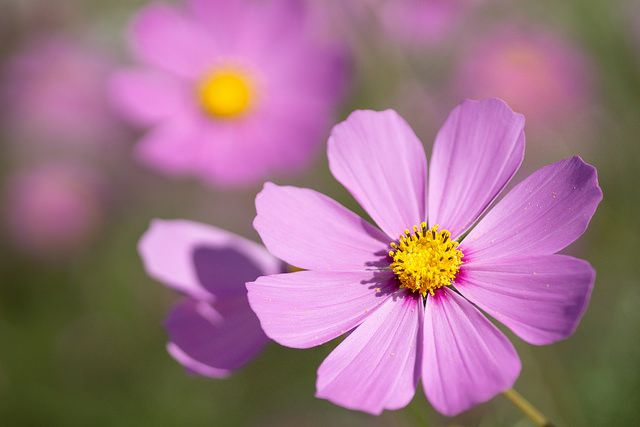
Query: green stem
<point x="528" y="409"/>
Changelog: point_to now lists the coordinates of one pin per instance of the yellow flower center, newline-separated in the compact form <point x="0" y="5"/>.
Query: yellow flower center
<point x="226" y="93"/>
<point x="426" y="259"/>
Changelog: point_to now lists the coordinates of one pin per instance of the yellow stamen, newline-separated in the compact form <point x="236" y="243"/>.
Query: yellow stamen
<point x="226" y="93"/>
<point x="425" y="259"/>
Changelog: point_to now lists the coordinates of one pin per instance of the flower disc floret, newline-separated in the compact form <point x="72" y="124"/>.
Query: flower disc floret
<point x="425" y="259"/>
<point x="226" y="93"/>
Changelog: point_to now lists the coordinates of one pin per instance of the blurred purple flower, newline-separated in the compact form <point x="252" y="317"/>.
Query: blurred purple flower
<point x="212" y="330"/>
<point x="232" y="90"/>
<point x="53" y="210"/>
<point x="54" y="90"/>
<point x="407" y="321"/>
<point x="539" y="73"/>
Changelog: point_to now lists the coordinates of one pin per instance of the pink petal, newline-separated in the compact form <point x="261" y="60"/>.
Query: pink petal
<point x="540" y="298"/>
<point x="221" y="17"/>
<point x="214" y="340"/>
<point x="311" y="231"/>
<point x="308" y="308"/>
<point x="466" y="360"/>
<point x="147" y="97"/>
<point x="245" y="152"/>
<point x="172" y="147"/>
<point x="165" y="37"/>
<point x="377" y="366"/>
<point x="477" y="151"/>
<point x="379" y="159"/>
<point x="251" y="28"/>
<point x="193" y="366"/>
<point x="201" y="260"/>
<point x="542" y="215"/>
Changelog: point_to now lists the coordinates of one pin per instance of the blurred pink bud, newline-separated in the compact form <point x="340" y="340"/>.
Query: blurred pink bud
<point x="55" y="91"/>
<point x="52" y="210"/>
<point x="423" y="22"/>
<point x="538" y="73"/>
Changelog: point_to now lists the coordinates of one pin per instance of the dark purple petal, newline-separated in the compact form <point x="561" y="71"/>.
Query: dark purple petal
<point x="214" y="340"/>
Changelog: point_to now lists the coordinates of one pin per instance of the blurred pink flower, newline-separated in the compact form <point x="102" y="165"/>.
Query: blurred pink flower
<point x="408" y="294"/>
<point x="212" y="330"/>
<point x="54" y="91"/>
<point x="53" y="210"/>
<point x="538" y="73"/>
<point x="423" y="22"/>
<point x="232" y="90"/>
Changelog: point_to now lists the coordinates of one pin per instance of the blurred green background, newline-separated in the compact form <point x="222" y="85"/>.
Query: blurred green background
<point x="82" y="341"/>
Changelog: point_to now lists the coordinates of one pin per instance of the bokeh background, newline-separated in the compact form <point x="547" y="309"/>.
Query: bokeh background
<point x="81" y="323"/>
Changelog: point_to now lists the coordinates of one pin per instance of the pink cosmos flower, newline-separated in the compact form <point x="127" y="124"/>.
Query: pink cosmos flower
<point x="411" y="290"/>
<point x="537" y="72"/>
<point x="55" y="91"/>
<point x="212" y="330"/>
<point x="53" y="209"/>
<point x="232" y="90"/>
